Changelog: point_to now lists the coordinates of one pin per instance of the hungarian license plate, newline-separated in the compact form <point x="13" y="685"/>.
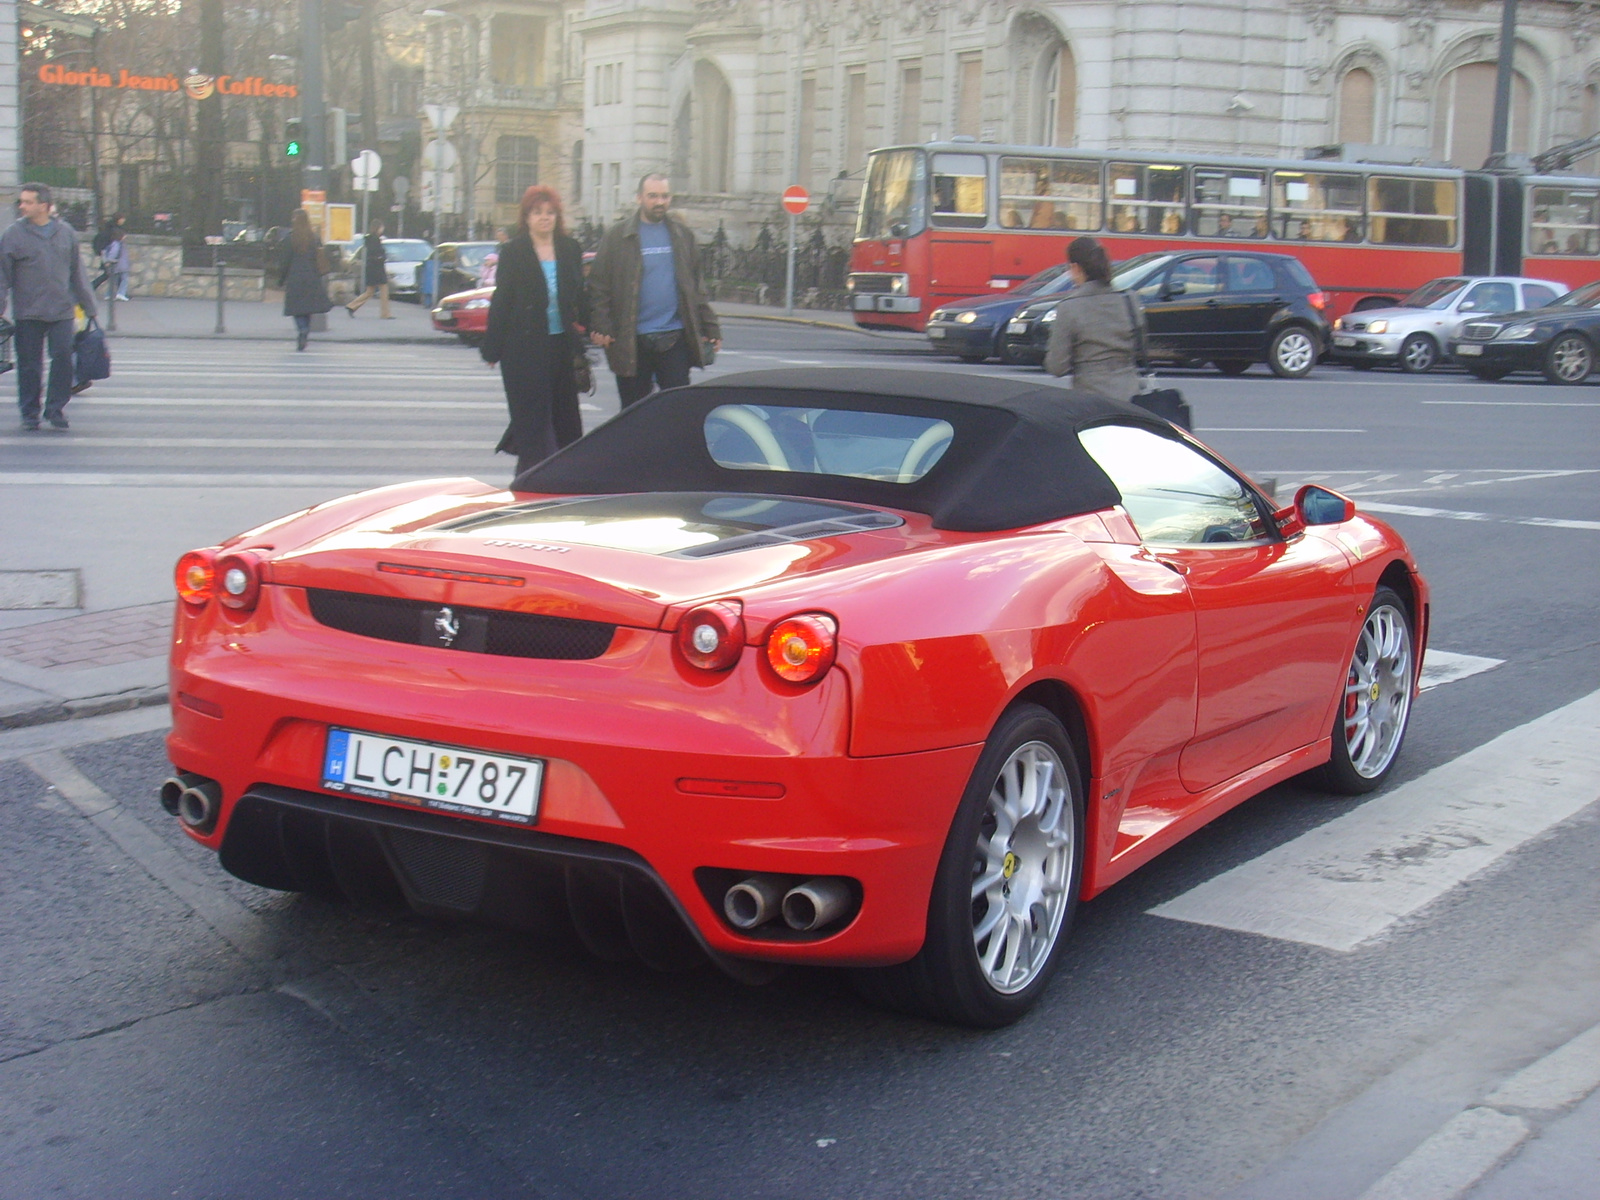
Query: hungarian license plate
<point x="935" y="332"/>
<point x="1017" y="327"/>
<point x="1344" y="341"/>
<point x="447" y="778"/>
<point x="1469" y="351"/>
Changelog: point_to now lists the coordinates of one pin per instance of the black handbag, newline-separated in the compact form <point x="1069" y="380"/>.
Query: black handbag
<point x="1166" y="403"/>
<point x="91" y="360"/>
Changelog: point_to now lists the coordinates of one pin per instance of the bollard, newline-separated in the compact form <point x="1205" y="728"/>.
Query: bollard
<point x="221" y="291"/>
<point x="111" y="307"/>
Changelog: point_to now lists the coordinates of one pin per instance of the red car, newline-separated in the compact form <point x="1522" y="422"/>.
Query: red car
<point x="877" y="669"/>
<point x="465" y="314"/>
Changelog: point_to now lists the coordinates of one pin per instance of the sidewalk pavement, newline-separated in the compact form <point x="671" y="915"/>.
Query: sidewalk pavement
<point x="263" y="320"/>
<point x="81" y="666"/>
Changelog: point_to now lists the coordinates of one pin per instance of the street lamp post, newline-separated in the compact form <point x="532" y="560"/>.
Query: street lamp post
<point x="463" y="98"/>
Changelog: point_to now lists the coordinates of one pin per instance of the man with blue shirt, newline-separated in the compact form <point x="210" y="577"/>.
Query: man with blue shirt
<point x="648" y="305"/>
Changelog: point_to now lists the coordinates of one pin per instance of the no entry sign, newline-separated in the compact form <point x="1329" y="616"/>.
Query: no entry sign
<point x="796" y="199"/>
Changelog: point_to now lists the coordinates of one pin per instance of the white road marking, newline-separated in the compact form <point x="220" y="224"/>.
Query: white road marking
<point x="1443" y="666"/>
<point x="104" y="479"/>
<point x="1270" y="429"/>
<point x="1518" y="403"/>
<point x="1467" y="1148"/>
<point x="333" y="407"/>
<point x="1412" y="510"/>
<point x="1344" y="883"/>
<point x="241" y="443"/>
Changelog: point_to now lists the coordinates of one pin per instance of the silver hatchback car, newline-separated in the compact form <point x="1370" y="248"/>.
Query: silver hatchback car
<point x="1415" y="333"/>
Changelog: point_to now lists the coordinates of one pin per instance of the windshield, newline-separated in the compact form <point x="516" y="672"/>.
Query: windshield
<point x="892" y="206"/>
<point x="405" y="250"/>
<point x="1046" y="280"/>
<point x="473" y="254"/>
<point x="1128" y="274"/>
<point x="1585" y="297"/>
<point x="1436" y="293"/>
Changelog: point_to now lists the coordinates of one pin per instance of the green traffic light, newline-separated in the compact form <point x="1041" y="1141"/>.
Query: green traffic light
<point x="292" y="150"/>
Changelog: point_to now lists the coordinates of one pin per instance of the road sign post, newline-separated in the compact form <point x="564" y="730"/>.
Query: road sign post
<point x="795" y="201"/>
<point x="364" y="169"/>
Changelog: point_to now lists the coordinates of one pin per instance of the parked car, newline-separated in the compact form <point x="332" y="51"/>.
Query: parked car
<point x="1414" y="334"/>
<point x="1229" y="308"/>
<point x="459" y="264"/>
<point x="974" y="330"/>
<point x="1558" y="340"/>
<point x="681" y="689"/>
<point x="465" y="314"/>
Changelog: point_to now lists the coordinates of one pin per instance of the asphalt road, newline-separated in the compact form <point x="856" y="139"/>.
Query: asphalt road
<point x="167" y="1031"/>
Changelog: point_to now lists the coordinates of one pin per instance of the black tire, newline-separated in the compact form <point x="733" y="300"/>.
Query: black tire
<point x="1419" y="354"/>
<point x="946" y="981"/>
<point x="1010" y="356"/>
<point x="1569" y="358"/>
<point x="1293" y="352"/>
<point x="471" y="339"/>
<point x="1232" y="366"/>
<point x="1361" y="364"/>
<point x="1341" y="773"/>
<point x="1490" y="374"/>
<point x="973" y="358"/>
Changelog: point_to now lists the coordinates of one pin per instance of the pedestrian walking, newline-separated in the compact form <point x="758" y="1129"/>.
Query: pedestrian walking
<point x="304" y="264"/>
<point x="650" y="308"/>
<point x="537" y="318"/>
<point x="374" y="273"/>
<point x="1098" y="331"/>
<point x="42" y="275"/>
<point x="112" y="247"/>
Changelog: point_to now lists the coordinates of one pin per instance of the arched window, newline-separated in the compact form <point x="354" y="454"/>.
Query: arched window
<point x="1358" y="98"/>
<point x="711" y="116"/>
<point x="1058" y="124"/>
<point x="1463" y="115"/>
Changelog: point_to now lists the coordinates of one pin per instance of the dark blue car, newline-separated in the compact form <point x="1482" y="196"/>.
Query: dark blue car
<point x="974" y="330"/>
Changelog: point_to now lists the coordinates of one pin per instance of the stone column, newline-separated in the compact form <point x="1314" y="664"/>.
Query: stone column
<point x="10" y="110"/>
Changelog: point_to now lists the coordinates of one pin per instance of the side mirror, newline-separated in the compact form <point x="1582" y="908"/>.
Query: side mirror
<point x="1175" y="288"/>
<point x="899" y="229"/>
<point x="1322" y="506"/>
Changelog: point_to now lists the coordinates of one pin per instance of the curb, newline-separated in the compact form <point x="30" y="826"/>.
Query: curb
<point x="88" y="706"/>
<point x="401" y="340"/>
<point x="812" y="321"/>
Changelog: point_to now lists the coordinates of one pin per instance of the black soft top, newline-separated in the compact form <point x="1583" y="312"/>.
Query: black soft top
<point x="1015" y="459"/>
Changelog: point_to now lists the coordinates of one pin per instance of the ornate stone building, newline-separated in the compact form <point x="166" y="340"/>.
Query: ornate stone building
<point x="738" y="98"/>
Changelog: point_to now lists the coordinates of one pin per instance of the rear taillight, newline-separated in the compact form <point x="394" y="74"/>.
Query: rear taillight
<point x="238" y="580"/>
<point x="1318" y="300"/>
<point x="195" y="575"/>
<point x="800" y="649"/>
<point x="710" y="637"/>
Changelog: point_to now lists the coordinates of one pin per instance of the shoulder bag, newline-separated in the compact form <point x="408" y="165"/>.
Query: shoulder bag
<point x="1166" y="403"/>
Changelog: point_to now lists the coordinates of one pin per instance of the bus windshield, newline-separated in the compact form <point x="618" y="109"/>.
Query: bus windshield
<point x="892" y="205"/>
<point x="1585" y="297"/>
<point x="1436" y="293"/>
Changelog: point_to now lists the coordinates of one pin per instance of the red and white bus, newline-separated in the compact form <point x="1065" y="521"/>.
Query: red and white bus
<point x="951" y="220"/>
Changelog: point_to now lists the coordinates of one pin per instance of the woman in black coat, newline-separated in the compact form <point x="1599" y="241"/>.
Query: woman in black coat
<point x="534" y="339"/>
<point x="300" y="275"/>
<point x="374" y="271"/>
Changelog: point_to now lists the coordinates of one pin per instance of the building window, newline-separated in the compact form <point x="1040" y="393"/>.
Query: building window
<point x="577" y="171"/>
<point x="807" y="116"/>
<point x="1059" y="118"/>
<point x="516" y="167"/>
<point x="1463" y="115"/>
<point x="969" y="94"/>
<point x="909" y="128"/>
<point x="1358" y="97"/>
<point x="712" y="133"/>
<point x="598" y="191"/>
<point x="855" y="119"/>
<point x="616" y="187"/>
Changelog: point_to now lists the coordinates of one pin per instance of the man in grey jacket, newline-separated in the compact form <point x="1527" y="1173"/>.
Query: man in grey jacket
<point x="41" y="273"/>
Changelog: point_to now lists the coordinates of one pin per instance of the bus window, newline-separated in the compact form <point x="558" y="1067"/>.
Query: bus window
<point x="1229" y="203"/>
<point x="1563" y="221"/>
<point x="1309" y="206"/>
<point x="892" y="201"/>
<point x="1145" y="198"/>
<point x="1049" y="193"/>
<point x="960" y="190"/>
<point x="1411" y="212"/>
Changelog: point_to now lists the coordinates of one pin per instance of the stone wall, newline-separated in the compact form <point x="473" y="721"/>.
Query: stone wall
<point x="156" y="269"/>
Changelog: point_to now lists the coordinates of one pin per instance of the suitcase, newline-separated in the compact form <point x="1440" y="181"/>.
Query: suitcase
<point x="1169" y="404"/>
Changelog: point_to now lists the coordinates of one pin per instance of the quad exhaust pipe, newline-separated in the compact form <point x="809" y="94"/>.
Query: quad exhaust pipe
<point x="816" y="903"/>
<point x="193" y="799"/>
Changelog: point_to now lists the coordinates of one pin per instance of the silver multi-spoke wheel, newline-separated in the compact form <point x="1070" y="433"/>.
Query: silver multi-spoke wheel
<point x="1022" y="867"/>
<point x="1294" y="353"/>
<point x="1418" y="353"/>
<point x="1569" y="359"/>
<point x="1377" y="692"/>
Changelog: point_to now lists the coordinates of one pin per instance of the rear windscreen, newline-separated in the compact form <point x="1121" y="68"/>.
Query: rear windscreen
<point x="891" y="447"/>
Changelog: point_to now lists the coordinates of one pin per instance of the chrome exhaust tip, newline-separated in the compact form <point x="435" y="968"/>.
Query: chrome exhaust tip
<point x="752" y="902"/>
<point x="199" y="804"/>
<point x="815" y="903"/>
<point x="174" y="786"/>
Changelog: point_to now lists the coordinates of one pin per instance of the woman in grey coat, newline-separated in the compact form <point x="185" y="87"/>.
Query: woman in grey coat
<point x="1098" y="330"/>
<point x="300" y="276"/>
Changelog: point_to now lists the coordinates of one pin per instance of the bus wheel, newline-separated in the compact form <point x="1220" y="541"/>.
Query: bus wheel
<point x="1232" y="366"/>
<point x="1293" y="352"/>
<point x="1418" y="354"/>
<point x="1569" y="359"/>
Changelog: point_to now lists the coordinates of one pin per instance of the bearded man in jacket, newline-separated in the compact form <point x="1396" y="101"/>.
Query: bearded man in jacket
<point x="647" y="303"/>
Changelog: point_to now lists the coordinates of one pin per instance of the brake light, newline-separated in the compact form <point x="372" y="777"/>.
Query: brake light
<point x="194" y="576"/>
<point x="1318" y="300"/>
<point x="238" y="581"/>
<point x="800" y="649"/>
<point x="710" y="637"/>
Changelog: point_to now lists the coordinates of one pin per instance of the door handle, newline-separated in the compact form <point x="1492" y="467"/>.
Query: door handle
<point x="1171" y="564"/>
<point x="1212" y="303"/>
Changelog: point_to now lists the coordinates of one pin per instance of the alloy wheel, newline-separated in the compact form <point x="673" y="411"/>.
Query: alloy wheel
<point x="1570" y="359"/>
<point x="1022" y="868"/>
<point x="1377" y="692"/>
<point x="1294" y="353"/>
<point x="1418" y="354"/>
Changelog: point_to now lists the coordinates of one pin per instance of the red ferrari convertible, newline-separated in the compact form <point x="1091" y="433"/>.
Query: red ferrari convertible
<point x="875" y="669"/>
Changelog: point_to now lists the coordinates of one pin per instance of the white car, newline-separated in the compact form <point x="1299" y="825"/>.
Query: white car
<point x="1415" y="332"/>
<point x="403" y="259"/>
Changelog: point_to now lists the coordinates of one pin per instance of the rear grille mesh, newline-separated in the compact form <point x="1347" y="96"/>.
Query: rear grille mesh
<point x="518" y="635"/>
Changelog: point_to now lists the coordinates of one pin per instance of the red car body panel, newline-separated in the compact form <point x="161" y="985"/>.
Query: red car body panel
<point x="451" y="314"/>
